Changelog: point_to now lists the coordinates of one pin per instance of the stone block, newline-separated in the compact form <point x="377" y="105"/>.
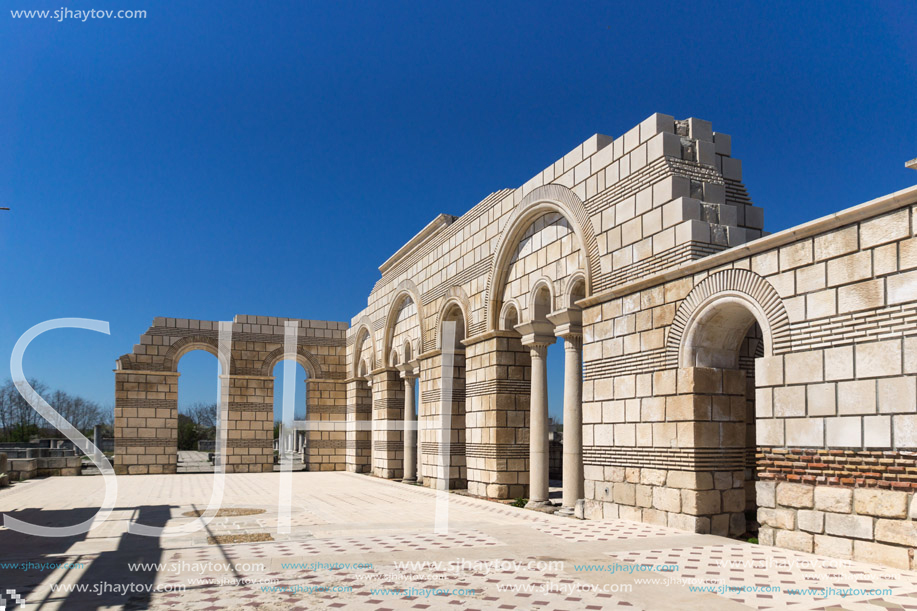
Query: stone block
<point x="804" y="367"/>
<point x="902" y="532"/>
<point x="851" y="268"/>
<point x="880" y="503"/>
<point x="765" y="535"/>
<point x="861" y="296"/>
<point x="667" y="499"/>
<point x="805" y="432"/>
<point x="878" y="553"/>
<point x="701" y="502"/>
<point x="844" y="432"/>
<point x="821" y="400"/>
<point x="777" y="518"/>
<point x="795" y="495"/>
<point x="811" y="521"/>
<point x="836" y="243"/>
<point x="905" y="428"/>
<point x="769" y="371"/>
<point x="898" y="395"/>
<point x="836" y="547"/>
<point x="652" y="477"/>
<point x="848" y="525"/>
<point x="856" y="397"/>
<point x="877" y="359"/>
<point x="877" y="432"/>
<point x="795" y="540"/>
<point x="836" y="500"/>
<point x="766" y="493"/>
<point x="839" y="363"/>
<point x="690" y="480"/>
<point x="884" y="229"/>
<point x="695" y="524"/>
<point x="769" y="432"/>
<point x="624" y="493"/>
<point x="734" y="500"/>
<point x="902" y="288"/>
<point x="789" y="401"/>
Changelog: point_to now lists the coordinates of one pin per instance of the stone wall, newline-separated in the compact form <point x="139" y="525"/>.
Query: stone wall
<point x="833" y="392"/>
<point x="146" y="391"/>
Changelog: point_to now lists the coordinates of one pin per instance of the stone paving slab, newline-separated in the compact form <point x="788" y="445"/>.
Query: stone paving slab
<point x="352" y="539"/>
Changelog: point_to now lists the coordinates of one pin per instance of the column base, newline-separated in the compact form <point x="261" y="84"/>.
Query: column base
<point x="409" y="480"/>
<point x="541" y="505"/>
<point x="565" y="511"/>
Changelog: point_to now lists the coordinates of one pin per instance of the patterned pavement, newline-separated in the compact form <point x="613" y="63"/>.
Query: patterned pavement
<point x="357" y="542"/>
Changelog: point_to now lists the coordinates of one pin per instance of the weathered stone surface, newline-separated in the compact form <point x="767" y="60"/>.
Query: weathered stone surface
<point x="795" y="495"/>
<point x="690" y="479"/>
<point x="836" y="500"/>
<point x="777" y="518"/>
<point x="811" y="521"/>
<point x="866" y="551"/>
<point x="881" y="503"/>
<point x="793" y="539"/>
<point x="836" y="547"/>
<point x="766" y="493"/>
<point x="847" y="525"/>
<point x="902" y="532"/>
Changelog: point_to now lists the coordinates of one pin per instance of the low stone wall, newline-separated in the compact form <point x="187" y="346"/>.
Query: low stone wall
<point x="22" y="469"/>
<point x="862" y="524"/>
<point x="26" y="468"/>
<point x="4" y="466"/>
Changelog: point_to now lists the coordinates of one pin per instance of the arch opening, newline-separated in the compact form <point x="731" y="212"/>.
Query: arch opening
<point x="290" y="411"/>
<point x="198" y="418"/>
<point x="723" y="339"/>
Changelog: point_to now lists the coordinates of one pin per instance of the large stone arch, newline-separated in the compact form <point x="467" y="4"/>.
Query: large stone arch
<point x="191" y="343"/>
<point x="545" y="199"/>
<point x="406" y="289"/>
<point x="731" y="288"/>
<point x="455" y="296"/>
<point x="303" y="357"/>
<point x="363" y="327"/>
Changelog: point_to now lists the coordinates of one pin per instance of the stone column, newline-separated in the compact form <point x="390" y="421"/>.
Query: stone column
<point x="410" y="424"/>
<point x="569" y="327"/>
<point x="537" y="336"/>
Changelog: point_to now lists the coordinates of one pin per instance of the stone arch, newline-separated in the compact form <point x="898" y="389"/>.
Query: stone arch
<point x="406" y="289"/>
<point x="534" y="303"/>
<point x="729" y="299"/>
<point x="455" y="296"/>
<point x="545" y="199"/>
<point x="574" y="290"/>
<point x="191" y="343"/>
<point x="303" y="357"/>
<point x="509" y="311"/>
<point x="363" y="327"/>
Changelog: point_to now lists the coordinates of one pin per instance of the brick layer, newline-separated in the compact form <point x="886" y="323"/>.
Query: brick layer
<point x="496" y="450"/>
<point x="860" y="468"/>
<point x="682" y="459"/>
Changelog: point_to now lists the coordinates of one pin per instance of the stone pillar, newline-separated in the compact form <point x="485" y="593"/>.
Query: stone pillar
<point x="146" y="422"/>
<point x="359" y="420"/>
<point x="537" y="336"/>
<point x="388" y="407"/>
<point x="569" y="327"/>
<point x="410" y="424"/>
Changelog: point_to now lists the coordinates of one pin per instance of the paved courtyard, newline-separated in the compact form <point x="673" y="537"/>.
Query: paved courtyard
<point x="357" y="542"/>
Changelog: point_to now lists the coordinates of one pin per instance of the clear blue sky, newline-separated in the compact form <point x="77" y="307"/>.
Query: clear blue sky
<point x="219" y="158"/>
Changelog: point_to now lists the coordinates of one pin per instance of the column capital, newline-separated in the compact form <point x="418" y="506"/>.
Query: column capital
<point x="409" y="370"/>
<point x="568" y="323"/>
<point x="536" y="334"/>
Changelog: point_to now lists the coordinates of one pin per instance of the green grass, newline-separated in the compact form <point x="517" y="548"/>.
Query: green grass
<point x="520" y="502"/>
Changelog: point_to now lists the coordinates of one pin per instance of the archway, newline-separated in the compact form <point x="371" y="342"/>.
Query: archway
<point x="198" y="420"/>
<point x="723" y="337"/>
<point x="291" y="434"/>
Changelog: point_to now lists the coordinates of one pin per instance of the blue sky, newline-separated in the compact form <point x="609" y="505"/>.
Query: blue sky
<point x="221" y="158"/>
